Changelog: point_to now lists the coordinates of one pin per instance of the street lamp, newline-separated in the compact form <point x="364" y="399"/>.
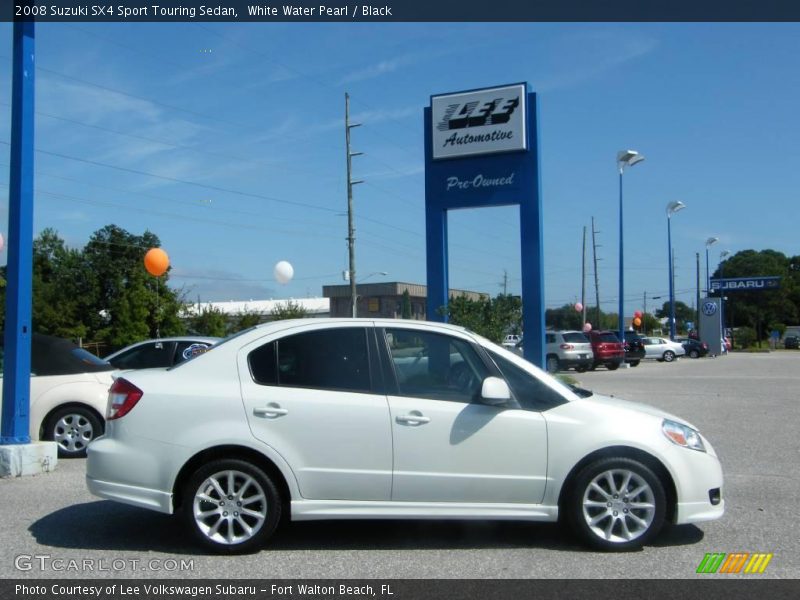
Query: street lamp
<point x="722" y="256"/>
<point x="625" y="158"/>
<point x="672" y="208"/>
<point x="709" y="242"/>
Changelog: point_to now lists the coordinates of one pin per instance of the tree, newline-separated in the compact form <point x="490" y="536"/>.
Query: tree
<point x="493" y="319"/>
<point x="683" y="313"/>
<point x="246" y="320"/>
<point x="291" y="310"/>
<point x="405" y="306"/>
<point x="136" y="305"/>
<point x="762" y="310"/>
<point x="209" y="321"/>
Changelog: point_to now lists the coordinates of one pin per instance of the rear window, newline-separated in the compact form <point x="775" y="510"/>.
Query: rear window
<point x="609" y="337"/>
<point x="576" y="337"/>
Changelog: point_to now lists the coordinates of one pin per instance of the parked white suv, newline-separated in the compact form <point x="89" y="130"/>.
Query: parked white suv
<point x="568" y="350"/>
<point x="356" y="419"/>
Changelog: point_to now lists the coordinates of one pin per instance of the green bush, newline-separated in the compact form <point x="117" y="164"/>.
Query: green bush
<point x="745" y="337"/>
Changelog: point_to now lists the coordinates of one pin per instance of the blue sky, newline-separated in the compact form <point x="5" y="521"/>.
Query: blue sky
<point x="227" y="141"/>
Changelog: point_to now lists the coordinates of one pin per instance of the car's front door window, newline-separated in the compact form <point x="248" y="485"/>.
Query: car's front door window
<point x="436" y="366"/>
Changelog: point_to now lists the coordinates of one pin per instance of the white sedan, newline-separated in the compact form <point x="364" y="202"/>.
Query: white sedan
<point x="662" y="349"/>
<point x="360" y="419"/>
<point x="69" y="393"/>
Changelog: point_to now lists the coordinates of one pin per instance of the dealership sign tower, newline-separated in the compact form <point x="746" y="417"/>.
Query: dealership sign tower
<point x="482" y="150"/>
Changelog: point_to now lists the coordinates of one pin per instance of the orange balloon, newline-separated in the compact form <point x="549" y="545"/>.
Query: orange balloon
<point x="156" y="262"/>
<point x="637" y="321"/>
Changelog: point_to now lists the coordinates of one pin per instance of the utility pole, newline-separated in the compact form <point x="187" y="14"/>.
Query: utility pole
<point x="583" y="279"/>
<point x="697" y="308"/>
<point x="351" y="232"/>
<point x="505" y="282"/>
<point x="644" y="312"/>
<point x="596" y="278"/>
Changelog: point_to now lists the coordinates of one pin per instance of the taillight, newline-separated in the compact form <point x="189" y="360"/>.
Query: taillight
<point x="566" y="346"/>
<point x="122" y="397"/>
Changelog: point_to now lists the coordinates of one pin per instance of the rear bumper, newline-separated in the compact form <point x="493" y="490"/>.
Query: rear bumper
<point x="128" y="494"/>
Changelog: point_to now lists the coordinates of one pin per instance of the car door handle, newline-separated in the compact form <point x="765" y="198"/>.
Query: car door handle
<point x="412" y="419"/>
<point x="270" y="412"/>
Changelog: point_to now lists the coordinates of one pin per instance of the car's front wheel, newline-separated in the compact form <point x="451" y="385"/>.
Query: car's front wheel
<point x="231" y="506"/>
<point x="612" y="366"/>
<point x="669" y="356"/>
<point x="616" y="504"/>
<point x="634" y="363"/>
<point x="72" y="428"/>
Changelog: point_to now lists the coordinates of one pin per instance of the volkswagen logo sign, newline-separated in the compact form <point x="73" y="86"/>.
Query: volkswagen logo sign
<point x="709" y="308"/>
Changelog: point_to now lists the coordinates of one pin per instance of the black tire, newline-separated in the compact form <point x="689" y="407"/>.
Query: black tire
<point x="552" y="364"/>
<point x="73" y="428"/>
<point x="581" y="369"/>
<point x="600" y="519"/>
<point x="612" y="366"/>
<point x="219" y="529"/>
<point x="694" y="354"/>
<point x="634" y="363"/>
<point x="669" y="356"/>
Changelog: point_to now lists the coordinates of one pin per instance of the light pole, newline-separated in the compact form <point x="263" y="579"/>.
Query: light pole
<point x="625" y="158"/>
<point x="672" y="208"/>
<point x="363" y="279"/>
<point x="722" y="256"/>
<point x="709" y="242"/>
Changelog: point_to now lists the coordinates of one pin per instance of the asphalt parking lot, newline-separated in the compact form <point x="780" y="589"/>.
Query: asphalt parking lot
<point x="746" y="404"/>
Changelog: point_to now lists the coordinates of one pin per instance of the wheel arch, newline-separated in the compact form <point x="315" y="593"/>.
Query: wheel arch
<point x="648" y="460"/>
<point x="232" y="451"/>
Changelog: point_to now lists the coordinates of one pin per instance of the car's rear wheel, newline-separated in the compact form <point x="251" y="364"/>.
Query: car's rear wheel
<point x="72" y="428"/>
<point x="612" y="366"/>
<point x="231" y="506"/>
<point x="669" y="356"/>
<point x="616" y="504"/>
<point x="694" y="354"/>
<point x="634" y="363"/>
<point x="552" y="364"/>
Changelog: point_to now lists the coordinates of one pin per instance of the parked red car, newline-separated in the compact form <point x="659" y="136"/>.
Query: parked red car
<point x="607" y="348"/>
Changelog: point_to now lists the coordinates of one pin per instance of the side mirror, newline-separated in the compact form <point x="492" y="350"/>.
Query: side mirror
<point x="495" y="392"/>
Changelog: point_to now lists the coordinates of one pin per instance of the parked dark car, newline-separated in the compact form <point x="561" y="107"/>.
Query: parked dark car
<point x="791" y="342"/>
<point x="634" y="348"/>
<point x="694" y="348"/>
<point x="607" y="349"/>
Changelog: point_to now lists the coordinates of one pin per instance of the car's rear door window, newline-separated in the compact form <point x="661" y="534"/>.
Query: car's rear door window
<point x="328" y="359"/>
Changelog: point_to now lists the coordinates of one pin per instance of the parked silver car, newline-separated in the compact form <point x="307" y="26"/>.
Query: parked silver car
<point x="662" y="349"/>
<point x="567" y="350"/>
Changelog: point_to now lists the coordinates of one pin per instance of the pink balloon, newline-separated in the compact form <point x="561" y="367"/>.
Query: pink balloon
<point x="578" y="306"/>
<point x="587" y="327"/>
<point x="637" y="314"/>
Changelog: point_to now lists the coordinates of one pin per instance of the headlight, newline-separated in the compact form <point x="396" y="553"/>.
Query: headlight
<point x="682" y="435"/>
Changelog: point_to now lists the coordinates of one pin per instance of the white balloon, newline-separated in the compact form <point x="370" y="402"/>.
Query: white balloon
<point x="2" y="242"/>
<point x="283" y="272"/>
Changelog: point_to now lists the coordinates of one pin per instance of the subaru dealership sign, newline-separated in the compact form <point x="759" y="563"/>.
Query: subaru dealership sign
<point x="745" y="284"/>
<point x="479" y="122"/>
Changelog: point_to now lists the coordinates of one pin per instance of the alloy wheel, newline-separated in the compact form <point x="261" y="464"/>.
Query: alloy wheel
<point x="619" y="505"/>
<point x="230" y="507"/>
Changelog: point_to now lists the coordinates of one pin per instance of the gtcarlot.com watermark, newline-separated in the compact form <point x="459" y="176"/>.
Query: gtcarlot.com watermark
<point x="48" y="563"/>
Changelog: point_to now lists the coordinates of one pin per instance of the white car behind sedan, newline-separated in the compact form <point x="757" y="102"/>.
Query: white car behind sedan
<point x="375" y="419"/>
<point x="69" y="394"/>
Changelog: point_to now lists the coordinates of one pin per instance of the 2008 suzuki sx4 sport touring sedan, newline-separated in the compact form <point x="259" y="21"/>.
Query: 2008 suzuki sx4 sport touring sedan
<point x="359" y="419"/>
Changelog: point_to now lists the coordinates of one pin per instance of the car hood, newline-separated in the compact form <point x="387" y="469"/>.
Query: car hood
<point x="626" y="405"/>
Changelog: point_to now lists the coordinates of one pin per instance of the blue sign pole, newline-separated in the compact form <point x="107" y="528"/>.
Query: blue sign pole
<point x="17" y="360"/>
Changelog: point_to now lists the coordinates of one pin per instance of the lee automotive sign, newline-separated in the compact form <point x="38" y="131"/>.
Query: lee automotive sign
<point x="479" y="122"/>
<point x="746" y="284"/>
